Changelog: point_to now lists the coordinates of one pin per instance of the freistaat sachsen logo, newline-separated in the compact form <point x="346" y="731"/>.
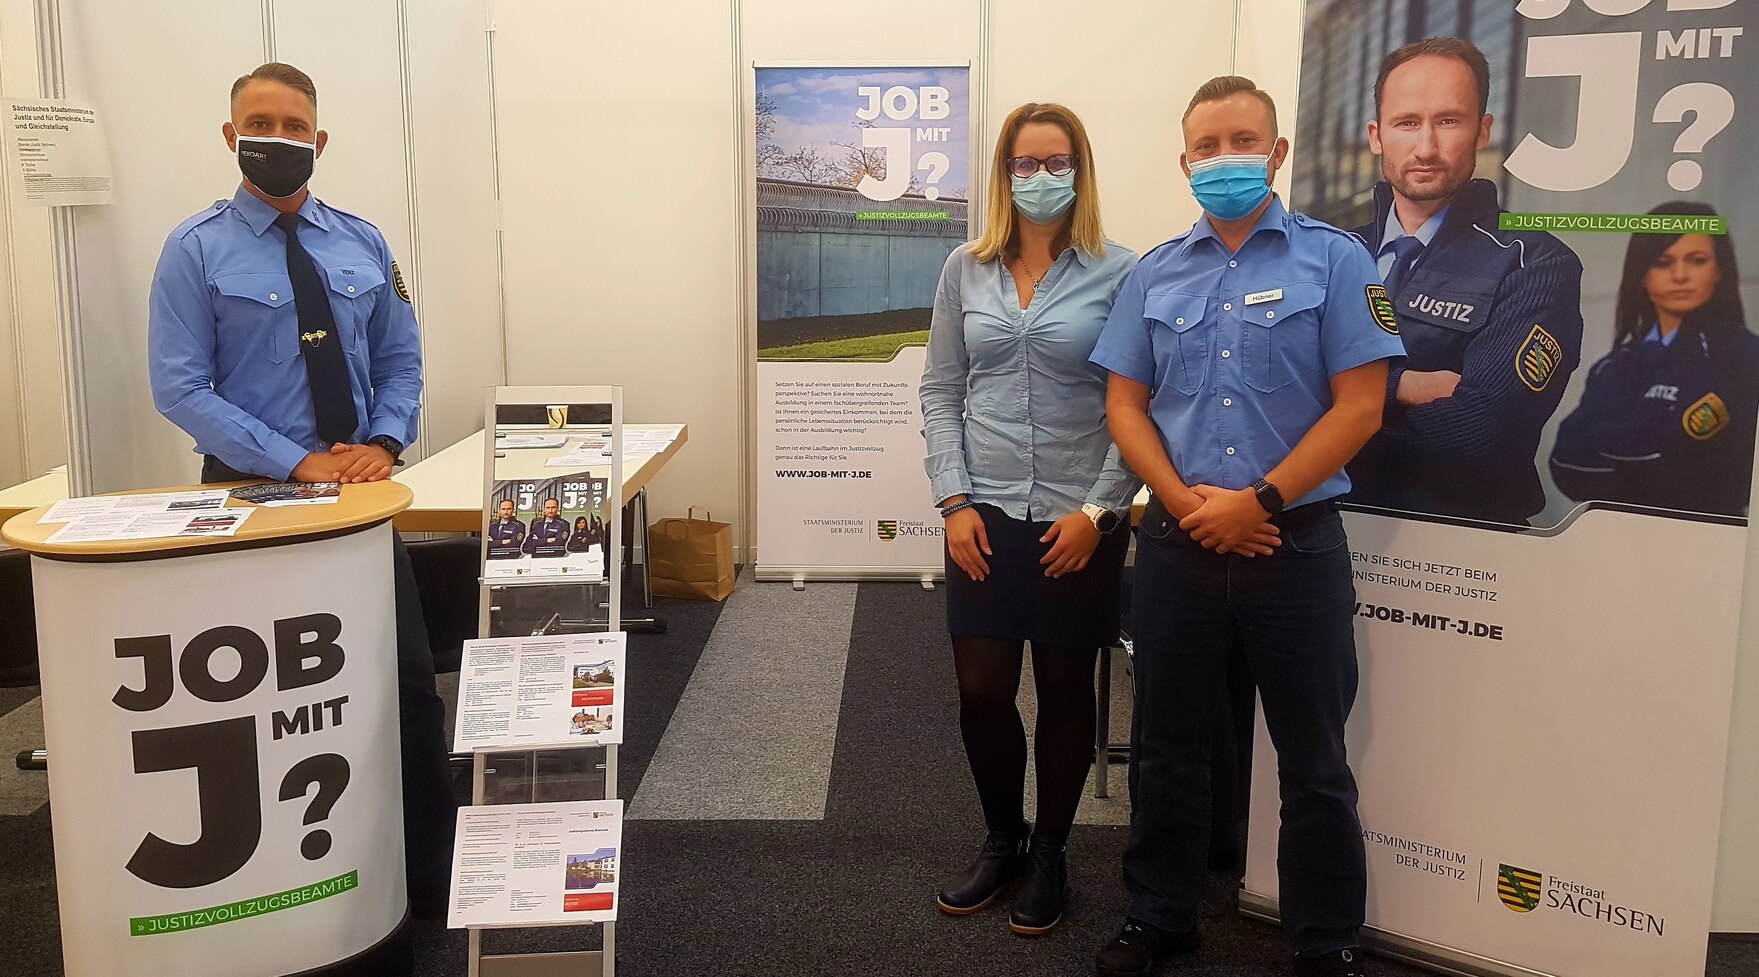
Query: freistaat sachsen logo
<point x="1518" y="888"/>
<point x="887" y="529"/>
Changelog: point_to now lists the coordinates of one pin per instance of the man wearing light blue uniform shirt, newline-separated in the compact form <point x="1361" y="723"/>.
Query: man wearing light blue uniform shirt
<point x="1249" y="360"/>
<point x="281" y="338"/>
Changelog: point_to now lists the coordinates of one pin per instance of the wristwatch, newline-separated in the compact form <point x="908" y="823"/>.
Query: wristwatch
<point x="1104" y="520"/>
<point x="389" y="443"/>
<point x="1268" y="496"/>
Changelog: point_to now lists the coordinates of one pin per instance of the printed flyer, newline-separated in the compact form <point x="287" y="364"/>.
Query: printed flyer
<point x="547" y="527"/>
<point x="527" y="692"/>
<point x="536" y="864"/>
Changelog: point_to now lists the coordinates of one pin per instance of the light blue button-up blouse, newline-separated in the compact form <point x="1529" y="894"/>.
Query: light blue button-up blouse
<point x="1013" y="411"/>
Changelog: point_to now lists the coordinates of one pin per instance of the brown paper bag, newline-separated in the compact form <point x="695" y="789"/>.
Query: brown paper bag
<point x="691" y="558"/>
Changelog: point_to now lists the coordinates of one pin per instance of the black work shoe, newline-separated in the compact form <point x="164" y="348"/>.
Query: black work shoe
<point x="996" y="867"/>
<point x="1136" y="950"/>
<point x="1038" y="906"/>
<point x="1351" y="962"/>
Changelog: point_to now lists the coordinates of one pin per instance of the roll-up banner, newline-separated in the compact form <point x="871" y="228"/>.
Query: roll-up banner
<point x="1550" y="531"/>
<point x="864" y="176"/>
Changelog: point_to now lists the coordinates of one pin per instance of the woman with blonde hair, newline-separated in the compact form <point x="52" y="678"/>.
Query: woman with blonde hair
<point x="1034" y="494"/>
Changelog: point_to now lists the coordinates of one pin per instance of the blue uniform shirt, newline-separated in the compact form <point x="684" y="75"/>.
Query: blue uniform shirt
<point x="547" y="533"/>
<point x="1013" y="412"/>
<point x="508" y="532"/>
<point x="1238" y="350"/>
<point x="223" y="334"/>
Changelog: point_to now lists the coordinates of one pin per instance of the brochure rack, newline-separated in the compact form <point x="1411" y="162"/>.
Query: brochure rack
<point x="550" y="600"/>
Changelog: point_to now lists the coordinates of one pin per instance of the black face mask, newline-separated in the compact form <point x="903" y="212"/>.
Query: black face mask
<point x="277" y="167"/>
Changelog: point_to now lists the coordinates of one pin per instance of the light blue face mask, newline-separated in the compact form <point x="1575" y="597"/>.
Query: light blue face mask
<point x="1230" y="187"/>
<point x="1042" y="198"/>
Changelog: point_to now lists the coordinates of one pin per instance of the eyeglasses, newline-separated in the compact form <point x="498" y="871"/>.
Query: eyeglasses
<point x="1025" y="166"/>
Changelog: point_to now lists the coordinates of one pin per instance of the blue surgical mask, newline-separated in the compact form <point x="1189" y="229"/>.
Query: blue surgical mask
<point x="1042" y="198"/>
<point x="1230" y="187"/>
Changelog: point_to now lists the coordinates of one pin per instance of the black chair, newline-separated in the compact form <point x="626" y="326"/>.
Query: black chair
<point x="446" y="575"/>
<point x="18" y="621"/>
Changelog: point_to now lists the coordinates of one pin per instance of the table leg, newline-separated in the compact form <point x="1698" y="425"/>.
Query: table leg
<point x="652" y="624"/>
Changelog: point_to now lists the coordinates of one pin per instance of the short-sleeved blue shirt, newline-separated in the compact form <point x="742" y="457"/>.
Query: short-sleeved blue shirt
<point x="1238" y="350"/>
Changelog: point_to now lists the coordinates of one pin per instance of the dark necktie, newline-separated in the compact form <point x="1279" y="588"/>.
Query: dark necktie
<point x="1405" y="251"/>
<point x="320" y="345"/>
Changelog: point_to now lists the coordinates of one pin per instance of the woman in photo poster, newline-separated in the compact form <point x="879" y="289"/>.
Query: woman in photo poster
<point x="1667" y="419"/>
<point x="581" y="539"/>
<point x="1034" y="494"/>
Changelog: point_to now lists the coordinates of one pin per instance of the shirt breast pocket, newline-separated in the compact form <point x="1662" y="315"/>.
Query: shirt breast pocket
<point x="251" y="309"/>
<point x="1280" y="342"/>
<point x="357" y="290"/>
<point x="1181" y="348"/>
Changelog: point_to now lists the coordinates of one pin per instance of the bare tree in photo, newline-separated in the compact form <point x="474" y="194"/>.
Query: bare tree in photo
<point x="808" y="165"/>
<point x="769" y="155"/>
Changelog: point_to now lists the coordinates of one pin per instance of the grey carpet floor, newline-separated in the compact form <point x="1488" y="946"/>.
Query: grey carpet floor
<point x="859" y="801"/>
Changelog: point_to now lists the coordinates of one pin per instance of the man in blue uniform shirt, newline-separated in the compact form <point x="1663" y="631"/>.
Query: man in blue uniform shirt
<point x="549" y="535"/>
<point x="1491" y="319"/>
<point x="1248" y="364"/>
<point x="506" y="534"/>
<point x="281" y="338"/>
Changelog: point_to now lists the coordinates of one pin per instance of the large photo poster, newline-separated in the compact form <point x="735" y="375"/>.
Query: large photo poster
<point x="1549" y="531"/>
<point x="863" y="181"/>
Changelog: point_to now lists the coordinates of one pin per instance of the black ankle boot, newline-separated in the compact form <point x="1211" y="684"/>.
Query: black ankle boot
<point x="1038" y="907"/>
<point x="998" y="865"/>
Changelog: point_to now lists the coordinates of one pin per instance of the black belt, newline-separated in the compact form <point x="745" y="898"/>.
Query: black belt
<point x="1299" y="517"/>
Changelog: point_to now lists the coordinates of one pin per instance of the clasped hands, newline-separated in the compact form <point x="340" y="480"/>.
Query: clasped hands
<point x="345" y="463"/>
<point x="1229" y="521"/>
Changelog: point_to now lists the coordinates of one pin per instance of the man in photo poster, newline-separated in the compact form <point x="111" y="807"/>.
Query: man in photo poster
<point x="549" y="535"/>
<point x="1491" y="320"/>
<point x="506" y="534"/>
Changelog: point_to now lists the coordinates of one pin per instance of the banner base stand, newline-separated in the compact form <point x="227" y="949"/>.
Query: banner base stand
<point x="801" y="576"/>
<point x="1404" y="949"/>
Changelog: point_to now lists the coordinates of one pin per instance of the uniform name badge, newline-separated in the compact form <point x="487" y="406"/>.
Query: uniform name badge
<point x="1271" y="295"/>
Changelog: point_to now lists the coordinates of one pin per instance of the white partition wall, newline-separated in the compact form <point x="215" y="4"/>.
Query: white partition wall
<point x="1110" y="64"/>
<point x="33" y="428"/>
<point x="165" y="115"/>
<point x="615" y="127"/>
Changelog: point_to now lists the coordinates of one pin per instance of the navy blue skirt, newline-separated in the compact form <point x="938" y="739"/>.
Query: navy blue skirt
<point x="1018" y="602"/>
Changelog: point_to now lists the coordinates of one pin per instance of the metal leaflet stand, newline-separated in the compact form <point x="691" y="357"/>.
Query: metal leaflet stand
<point x="575" y="963"/>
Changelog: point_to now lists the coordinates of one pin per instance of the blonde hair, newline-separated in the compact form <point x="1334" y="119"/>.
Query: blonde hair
<point x="1001" y="227"/>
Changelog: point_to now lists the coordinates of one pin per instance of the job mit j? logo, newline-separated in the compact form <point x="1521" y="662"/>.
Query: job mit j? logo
<point x="1518" y="888"/>
<point x="888" y="529"/>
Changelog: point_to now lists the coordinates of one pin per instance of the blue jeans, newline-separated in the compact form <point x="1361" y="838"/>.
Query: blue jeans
<point x="1292" y="612"/>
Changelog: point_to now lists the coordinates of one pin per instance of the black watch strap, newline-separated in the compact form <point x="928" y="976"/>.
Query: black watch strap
<point x="1269" y="496"/>
<point x="389" y="443"/>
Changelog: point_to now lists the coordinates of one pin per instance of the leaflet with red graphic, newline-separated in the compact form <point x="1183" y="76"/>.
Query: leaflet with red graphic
<point x="536" y="864"/>
<point x="541" y="691"/>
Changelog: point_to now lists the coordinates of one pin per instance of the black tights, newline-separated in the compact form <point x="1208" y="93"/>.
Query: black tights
<point x="995" y="738"/>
